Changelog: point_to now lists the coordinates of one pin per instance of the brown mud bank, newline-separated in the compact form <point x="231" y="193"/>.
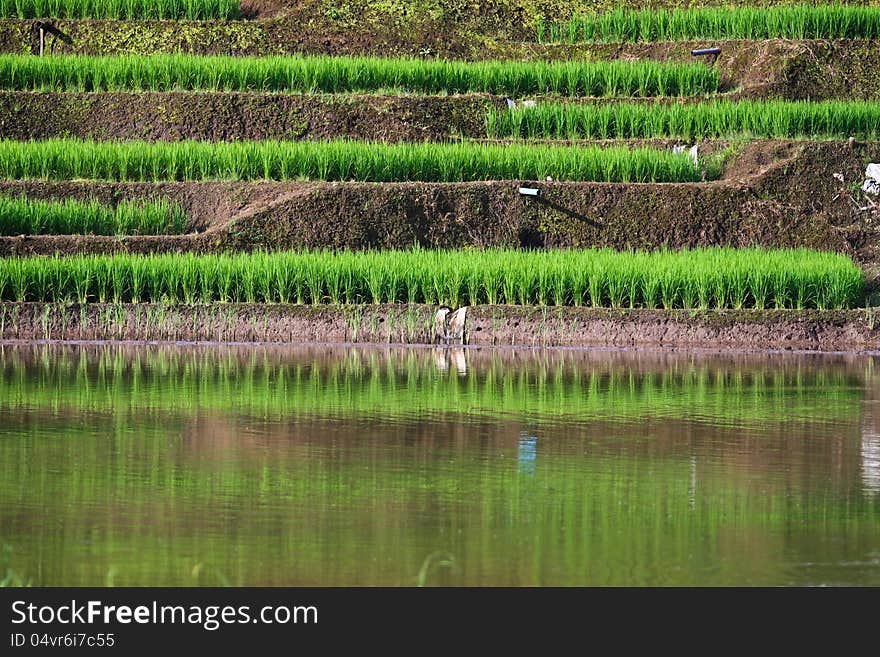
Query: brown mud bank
<point x="842" y="68"/>
<point x="810" y="330"/>
<point x="773" y="194"/>
<point x="231" y="116"/>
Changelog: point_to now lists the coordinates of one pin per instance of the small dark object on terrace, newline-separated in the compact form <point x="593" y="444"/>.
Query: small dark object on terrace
<point x="712" y="53"/>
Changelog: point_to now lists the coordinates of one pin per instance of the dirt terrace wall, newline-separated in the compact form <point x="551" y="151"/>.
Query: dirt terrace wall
<point x="444" y="215"/>
<point x="241" y="116"/>
<point x="566" y="214"/>
<point x="853" y="330"/>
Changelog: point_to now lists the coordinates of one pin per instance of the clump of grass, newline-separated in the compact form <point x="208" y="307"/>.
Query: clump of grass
<point x="121" y="9"/>
<point x="803" y="21"/>
<point x="63" y="159"/>
<point x="24" y="216"/>
<point x="347" y="74"/>
<point x="696" y="279"/>
<point x="717" y="118"/>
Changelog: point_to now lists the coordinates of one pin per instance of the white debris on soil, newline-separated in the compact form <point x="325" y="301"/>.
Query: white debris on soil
<point x="872" y="180"/>
<point x="512" y="104"/>
<point x="692" y="152"/>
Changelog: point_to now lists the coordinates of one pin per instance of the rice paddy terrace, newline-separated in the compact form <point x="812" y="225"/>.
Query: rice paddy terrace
<point x="336" y="165"/>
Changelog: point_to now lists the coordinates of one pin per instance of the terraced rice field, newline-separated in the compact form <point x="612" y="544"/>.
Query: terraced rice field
<point x="422" y="292"/>
<point x="574" y="130"/>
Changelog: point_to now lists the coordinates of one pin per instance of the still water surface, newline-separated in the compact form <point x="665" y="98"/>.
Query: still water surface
<point x="160" y="465"/>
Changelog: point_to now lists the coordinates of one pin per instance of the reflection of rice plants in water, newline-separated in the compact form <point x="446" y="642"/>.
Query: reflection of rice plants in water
<point x="803" y="21"/>
<point x="317" y="498"/>
<point x="354" y="74"/>
<point x="694" y="279"/>
<point x="8" y="577"/>
<point x="368" y="383"/>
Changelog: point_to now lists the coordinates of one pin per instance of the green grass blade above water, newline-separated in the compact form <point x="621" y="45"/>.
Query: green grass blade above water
<point x="696" y="279"/>
<point x="24" y="216"/>
<point x="61" y="159"/>
<point x="803" y="21"/>
<point x="716" y="118"/>
<point x="351" y="74"/>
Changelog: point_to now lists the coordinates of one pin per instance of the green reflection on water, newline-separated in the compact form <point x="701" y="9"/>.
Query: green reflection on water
<point x="414" y="382"/>
<point x="166" y="466"/>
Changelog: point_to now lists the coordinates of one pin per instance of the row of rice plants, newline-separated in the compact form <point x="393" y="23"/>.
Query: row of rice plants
<point x="716" y="118"/>
<point x="703" y="278"/>
<point x="121" y="9"/>
<point x="23" y="216"/>
<point x="803" y="21"/>
<point x="64" y="159"/>
<point x="350" y="74"/>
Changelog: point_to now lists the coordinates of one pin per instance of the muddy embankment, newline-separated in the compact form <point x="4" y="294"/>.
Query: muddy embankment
<point x="778" y="67"/>
<point x="210" y="116"/>
<point x="773" y="194"/>
<point x="810" y="330"/>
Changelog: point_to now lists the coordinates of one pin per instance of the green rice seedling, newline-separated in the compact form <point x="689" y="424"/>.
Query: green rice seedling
<point x="618" y="285"/>
<point x="338" y="277"/>
<point x="544" y="286"/>
<point x="720" y="289"/>
<point x="20" y="215"/>
<point x="338" y="160"/>
<point x="718" y="278"/>
<point x="651" y="283"/>
<point x="779" y="281"/>
<point x="473" y="285"/>
<point x="670" y="288"/>
<point x="103" y="275"/>
<point x="596" y="284"/>
<point x="759" y="284"/>
<point x="738" y="284"/>
<point x="562" y="295"/>
<point x="412" y="281"/>
<point x="324" y="74"/>
<point x="119" y="276"/>
<point x="714" y="118"/>
<point x="689" y="293"/>
<point x="122" y="9"/>
<point x="375" y="277"/>
<point x="802" y="21"/>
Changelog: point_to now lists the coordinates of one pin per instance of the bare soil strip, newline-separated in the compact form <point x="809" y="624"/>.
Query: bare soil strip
<point x="806" y="330"/>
